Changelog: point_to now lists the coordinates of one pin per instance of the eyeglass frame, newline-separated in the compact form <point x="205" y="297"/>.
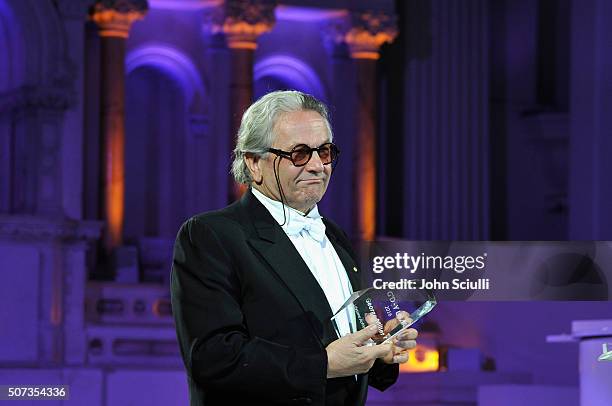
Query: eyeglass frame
<point x="288" y="154"/>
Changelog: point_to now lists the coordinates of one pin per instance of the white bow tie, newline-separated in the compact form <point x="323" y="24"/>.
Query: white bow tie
<point x="313" y="226"/>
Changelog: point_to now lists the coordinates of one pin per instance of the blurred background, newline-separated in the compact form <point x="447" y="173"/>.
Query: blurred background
<point x="457" y="120"/>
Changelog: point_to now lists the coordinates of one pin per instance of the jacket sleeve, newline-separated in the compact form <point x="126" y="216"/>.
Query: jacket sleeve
<point x="215" y="345"/>
<point x="382" y="375"/>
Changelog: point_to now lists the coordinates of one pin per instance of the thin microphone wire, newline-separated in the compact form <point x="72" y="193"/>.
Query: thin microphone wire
<point x="280" y="189"/>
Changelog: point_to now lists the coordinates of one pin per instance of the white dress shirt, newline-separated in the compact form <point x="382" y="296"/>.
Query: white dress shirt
<point x="307" y="233"/>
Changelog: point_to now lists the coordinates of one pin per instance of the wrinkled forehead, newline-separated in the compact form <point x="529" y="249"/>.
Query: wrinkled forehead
<point x="300" y="127"/>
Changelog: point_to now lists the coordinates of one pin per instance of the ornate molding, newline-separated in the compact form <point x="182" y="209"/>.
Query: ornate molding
<point x="115" y="17"/>
<point x="34" y="97"/>
<point x="241" y="21"/>
<point x="132" y="344"/>
<point x="128" y="303"/>
<point x="16" y="227"/>
<point x="362" y="32"/>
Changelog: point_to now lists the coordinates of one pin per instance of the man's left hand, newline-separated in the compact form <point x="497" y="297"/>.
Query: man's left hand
<point x="402" y="344"/>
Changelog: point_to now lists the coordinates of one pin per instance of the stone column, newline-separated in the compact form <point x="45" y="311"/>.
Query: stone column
<point x="241" y="22"/>
<point x="34" y="117"/>
<point x="114" y="18"/>
<point x="220" y="140"/>
<point x="363" y="33"/>
<point x="342" y="102"/>
<point x="74" y="14"/>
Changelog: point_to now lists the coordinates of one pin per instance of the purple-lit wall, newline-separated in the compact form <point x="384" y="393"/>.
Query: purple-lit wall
<point x="493" y="124"/>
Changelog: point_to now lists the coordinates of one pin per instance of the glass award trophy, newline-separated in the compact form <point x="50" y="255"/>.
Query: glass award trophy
<point x="393" y="311"/>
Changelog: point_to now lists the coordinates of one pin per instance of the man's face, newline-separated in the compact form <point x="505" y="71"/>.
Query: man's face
<point x="303" y="186"/>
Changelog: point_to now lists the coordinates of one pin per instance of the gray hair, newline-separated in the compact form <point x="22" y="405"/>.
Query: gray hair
<point x="256" y="133"/>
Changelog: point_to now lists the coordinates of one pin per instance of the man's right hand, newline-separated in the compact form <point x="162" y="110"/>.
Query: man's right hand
<point x="349" y="356"/>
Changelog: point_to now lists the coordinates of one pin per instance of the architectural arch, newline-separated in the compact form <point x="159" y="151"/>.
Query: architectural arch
<point x="292" y="71"/>
<point x="11" y="48"/>
<point x="175" y="64"/>
<point x="177" y="94"/>
<point x="36" y="55"/>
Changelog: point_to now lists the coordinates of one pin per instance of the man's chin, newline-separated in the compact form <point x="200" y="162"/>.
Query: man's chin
<point x="308" y="200"/>
<point x="314" y="193"/>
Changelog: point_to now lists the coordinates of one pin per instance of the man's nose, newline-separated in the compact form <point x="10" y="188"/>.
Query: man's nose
<point x="315" y="164"/>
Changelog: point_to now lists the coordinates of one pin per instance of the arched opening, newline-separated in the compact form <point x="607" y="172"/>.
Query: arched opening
<point x="164" y="101"/>
<point x="156" y="127"/>
<point x="281" y="72"/>
<point x="164" y="93"/>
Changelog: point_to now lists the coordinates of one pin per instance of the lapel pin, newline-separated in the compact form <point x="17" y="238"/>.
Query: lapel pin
<point x="354" y="269"/>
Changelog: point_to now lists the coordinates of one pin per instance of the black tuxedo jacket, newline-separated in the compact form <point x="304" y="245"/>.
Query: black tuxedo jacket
<point x="251" y="319"/>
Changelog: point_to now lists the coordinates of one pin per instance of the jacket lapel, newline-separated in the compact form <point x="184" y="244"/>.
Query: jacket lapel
<point x="351" y="268"/>
<point x="278" y="251"/>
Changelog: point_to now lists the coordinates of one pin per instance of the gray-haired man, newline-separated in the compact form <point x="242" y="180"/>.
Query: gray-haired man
<point x="254" y="285"/>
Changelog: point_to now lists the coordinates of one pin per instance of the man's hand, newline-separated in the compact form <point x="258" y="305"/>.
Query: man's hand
<point x="403" y="342"/>
<point x="401" y="345"/>
<point x="349" y="356"/>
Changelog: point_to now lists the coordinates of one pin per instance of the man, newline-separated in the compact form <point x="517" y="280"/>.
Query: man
<point x="254" y="285"/>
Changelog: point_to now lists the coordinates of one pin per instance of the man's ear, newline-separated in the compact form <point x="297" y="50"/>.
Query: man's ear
<point x="253" y="162"/>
